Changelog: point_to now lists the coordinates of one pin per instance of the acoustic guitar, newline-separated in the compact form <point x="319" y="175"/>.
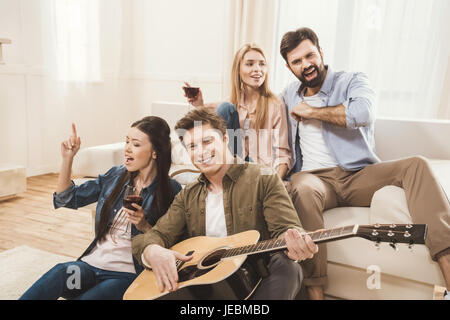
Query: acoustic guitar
<point x="223" y="268"/>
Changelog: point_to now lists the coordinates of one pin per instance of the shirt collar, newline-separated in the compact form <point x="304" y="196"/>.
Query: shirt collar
<point x="152" y="185"/>
<point x="328" y="83"/>
<point x="233" y="172"/>
<point x="250" y="109"/>
<point x="149" y="188"/>
<point x="326" y="86"/>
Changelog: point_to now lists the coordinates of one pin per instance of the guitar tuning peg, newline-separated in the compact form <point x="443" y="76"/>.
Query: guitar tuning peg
<point x="377" y="245"/>
<point x="394" y="246"/>
<point x="393" y="226"/>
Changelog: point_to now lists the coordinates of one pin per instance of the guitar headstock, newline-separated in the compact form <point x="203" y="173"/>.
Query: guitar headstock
<point x="394" y="233"/>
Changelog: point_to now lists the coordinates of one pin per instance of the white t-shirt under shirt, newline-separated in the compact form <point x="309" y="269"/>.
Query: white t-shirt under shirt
<point x="215" y="219"/>
<point x="215" y="215"/>
<point x="315" y="152"/>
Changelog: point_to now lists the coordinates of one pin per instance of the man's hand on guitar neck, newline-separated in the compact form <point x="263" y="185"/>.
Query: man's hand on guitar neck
<point x="163" y="263"/>
<point x="300" y="247"/>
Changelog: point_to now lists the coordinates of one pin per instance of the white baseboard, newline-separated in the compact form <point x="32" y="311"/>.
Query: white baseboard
<point x="44" y="169"/>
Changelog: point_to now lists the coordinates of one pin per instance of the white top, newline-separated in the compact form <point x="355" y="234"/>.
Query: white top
<point x="114" y="253"/>
<point x="215" y="219"/>
<point x="215" y="215"/>
<point x="315" y="152"/>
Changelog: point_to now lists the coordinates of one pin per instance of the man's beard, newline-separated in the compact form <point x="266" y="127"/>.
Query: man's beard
<point x="317" y="81"/>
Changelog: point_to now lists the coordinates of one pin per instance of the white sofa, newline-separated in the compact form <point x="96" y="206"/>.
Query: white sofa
<point x="404" y="274"/>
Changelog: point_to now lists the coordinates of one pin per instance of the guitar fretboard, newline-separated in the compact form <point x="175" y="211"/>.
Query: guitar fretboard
<point x="280" y="244"/>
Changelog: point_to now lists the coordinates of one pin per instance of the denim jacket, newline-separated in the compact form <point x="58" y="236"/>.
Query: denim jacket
<point x="98" y="191"/>
<point x="353" y="147"/>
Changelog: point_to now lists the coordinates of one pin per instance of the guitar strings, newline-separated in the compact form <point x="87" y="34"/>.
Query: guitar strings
<point x="272" y="243"/>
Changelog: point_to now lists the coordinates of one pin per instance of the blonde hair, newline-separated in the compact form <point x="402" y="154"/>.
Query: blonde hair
<point x="265" y="95"/>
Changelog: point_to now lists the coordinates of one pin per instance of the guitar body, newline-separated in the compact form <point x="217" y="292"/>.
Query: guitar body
<point x="205" y="276"/>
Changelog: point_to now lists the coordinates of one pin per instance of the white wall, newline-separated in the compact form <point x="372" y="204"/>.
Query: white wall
<point x="162" y="43"/>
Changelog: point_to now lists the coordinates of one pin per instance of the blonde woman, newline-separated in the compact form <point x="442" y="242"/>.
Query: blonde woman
<point x="255" y="117"/>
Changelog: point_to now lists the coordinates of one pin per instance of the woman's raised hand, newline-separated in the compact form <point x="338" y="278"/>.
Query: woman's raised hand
<point x="71" y="146"/>
<point x="197" y="100"/>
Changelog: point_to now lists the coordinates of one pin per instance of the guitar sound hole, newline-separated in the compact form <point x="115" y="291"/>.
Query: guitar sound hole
<point x="213" y="258"/>
<point x="190" y="272"/>
<point x="207" y="264"/>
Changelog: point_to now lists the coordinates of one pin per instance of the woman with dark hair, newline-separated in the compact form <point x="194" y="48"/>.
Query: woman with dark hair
<point x="107" y="267"/>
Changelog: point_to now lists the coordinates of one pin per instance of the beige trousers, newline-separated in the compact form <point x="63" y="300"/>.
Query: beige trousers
<point x="313" y="192"/>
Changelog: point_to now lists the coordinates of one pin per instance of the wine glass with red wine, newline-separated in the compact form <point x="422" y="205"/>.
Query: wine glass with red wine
<point x="130" y="196"/>
<point x="191" y="89"/>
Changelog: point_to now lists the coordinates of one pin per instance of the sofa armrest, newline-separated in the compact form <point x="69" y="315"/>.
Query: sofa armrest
<point x="184" y="173"/>
<point x="180" y="171"/>
<point x="92" y="161"/>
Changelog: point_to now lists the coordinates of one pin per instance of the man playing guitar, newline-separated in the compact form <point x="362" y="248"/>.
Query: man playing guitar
<point x="230" y="196"/>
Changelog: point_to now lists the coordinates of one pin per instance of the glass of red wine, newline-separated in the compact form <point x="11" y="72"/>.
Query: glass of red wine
<point x="191" y="89"/>
<point x="130" y="196"/>
<point x="191" y="92"/>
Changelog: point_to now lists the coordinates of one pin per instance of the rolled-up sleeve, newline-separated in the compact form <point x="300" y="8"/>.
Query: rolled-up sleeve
<point x="63" y="198"/>
<point x="75" y="196"/>
<point x="359" y="103"/>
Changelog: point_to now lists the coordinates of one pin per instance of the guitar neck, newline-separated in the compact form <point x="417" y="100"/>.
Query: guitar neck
<point x="279" y="244"/>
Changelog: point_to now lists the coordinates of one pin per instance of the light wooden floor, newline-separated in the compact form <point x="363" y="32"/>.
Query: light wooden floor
<point x="30" y="219"/>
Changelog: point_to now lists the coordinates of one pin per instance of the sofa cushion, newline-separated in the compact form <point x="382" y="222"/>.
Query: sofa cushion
<point x="180" y="155"/>
<point x="92" y="161"/>
<point x="389" y="206"/>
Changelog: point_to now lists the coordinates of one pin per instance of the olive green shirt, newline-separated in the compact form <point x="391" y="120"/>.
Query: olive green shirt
<point x="254" y="198"/>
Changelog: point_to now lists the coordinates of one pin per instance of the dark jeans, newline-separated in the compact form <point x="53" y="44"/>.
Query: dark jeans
<point x="284" y="281"/>
<point x="229" y="113"/>
<point x="80" y="281"/>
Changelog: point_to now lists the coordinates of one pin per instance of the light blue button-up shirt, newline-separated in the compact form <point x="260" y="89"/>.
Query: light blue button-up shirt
<point x="353" y="147"/>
